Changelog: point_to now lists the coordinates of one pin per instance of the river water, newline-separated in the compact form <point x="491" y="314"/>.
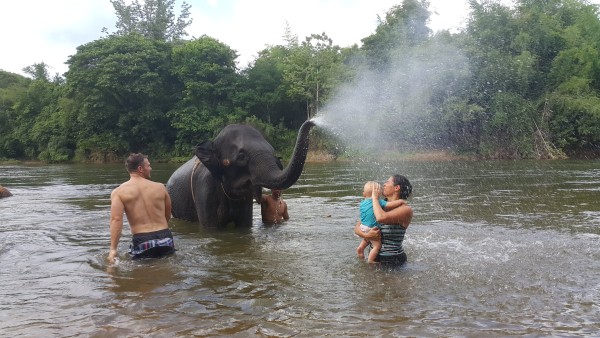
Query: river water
<point x="495" y="249"/>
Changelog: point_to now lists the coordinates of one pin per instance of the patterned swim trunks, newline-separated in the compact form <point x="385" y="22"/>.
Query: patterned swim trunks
<point x="152" y="244"/>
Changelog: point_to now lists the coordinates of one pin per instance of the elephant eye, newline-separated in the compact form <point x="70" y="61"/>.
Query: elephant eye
<point x="241" y="156"/>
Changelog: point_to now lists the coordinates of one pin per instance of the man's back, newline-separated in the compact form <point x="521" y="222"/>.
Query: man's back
<point x="148" y="208"/>
<point x="146" y="203"/>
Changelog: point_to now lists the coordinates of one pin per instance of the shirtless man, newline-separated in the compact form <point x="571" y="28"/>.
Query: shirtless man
<point x="148" y="208"/>
<point x="4" y="192"/>
<point x="273" y="208"/>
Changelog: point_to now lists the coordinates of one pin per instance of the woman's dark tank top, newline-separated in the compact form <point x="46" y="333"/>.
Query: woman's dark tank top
<point x="392" y="237"/>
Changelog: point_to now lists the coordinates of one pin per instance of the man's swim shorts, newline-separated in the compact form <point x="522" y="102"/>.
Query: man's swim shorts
<point x="152" y="244"/>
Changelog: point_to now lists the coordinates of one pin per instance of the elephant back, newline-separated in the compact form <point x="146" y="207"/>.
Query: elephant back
<point x="180" y="192"/>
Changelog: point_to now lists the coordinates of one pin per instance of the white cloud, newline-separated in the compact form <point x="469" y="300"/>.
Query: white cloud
<point x="49" y="31"/>
<point x="250" y="26"/>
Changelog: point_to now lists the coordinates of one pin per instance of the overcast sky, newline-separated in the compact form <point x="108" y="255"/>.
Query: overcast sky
<point x="35" y="31"/>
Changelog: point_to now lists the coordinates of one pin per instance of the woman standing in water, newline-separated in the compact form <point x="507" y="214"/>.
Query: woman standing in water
<point x="393" y="222"/>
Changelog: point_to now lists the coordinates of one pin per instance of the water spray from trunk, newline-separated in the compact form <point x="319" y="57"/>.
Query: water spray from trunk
<point x="389" y="108"/>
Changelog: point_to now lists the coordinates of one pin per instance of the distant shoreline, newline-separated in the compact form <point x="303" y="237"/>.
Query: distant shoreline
<point x="324" y="157"/>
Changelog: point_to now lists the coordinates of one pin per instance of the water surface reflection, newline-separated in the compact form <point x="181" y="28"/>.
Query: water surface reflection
<point x="495" y="249"/>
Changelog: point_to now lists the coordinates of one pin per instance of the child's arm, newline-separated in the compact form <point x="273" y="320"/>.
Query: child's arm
<point x="394" y="204"/>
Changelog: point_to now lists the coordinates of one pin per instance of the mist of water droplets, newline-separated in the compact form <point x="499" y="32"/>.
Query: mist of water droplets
<point x="381" y="108"/>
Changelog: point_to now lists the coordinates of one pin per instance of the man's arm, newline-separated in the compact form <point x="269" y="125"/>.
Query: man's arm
<point x="168" y="205"/>
<point x="285" y="212"/>
<point x="116" y="223"/>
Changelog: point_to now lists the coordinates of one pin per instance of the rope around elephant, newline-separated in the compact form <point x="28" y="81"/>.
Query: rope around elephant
<point x="197" y="163"/>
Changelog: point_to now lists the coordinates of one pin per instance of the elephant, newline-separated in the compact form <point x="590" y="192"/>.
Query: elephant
<point x="4" y="192"/>
<point x="217" y="185"/>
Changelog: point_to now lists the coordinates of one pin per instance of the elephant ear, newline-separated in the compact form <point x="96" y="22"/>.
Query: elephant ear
<point x="208" y="155"/>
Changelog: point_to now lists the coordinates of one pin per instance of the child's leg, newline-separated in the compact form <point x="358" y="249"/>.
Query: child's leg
<point x="375" y="250"/>
<point x="361" y="249"/>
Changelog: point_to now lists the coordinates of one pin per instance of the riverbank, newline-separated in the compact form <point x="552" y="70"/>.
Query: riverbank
<point x="324" y="157"/>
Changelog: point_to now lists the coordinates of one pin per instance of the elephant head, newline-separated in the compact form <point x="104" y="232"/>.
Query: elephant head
<point x="232" y="169"/>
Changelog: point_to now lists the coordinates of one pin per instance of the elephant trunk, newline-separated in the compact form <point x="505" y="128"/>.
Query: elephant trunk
<point x="276" y="178"/>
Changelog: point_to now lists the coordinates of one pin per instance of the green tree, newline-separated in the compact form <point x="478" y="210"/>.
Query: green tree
<point x="574" y="77"/>
<point x="154" y="19"/>
<point x="264" y="94"/>
<point x="38" y="132"/>
<point x="511" y="129"/>
<point x="404" y="26"/>
<point x="540" y="58"/>
<point x="207" y="70"/>
<point x="505" y="81"/>
<point x="13" y="88"/>
<point x="312" y="71"/>
<point x="55" y="129"/>
<point x="123" y="89"/>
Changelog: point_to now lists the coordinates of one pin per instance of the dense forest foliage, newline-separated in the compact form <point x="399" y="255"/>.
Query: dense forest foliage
<point x="526" y="85"/>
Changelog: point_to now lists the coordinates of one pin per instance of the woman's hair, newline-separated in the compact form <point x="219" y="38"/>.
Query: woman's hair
<point x="134" y="161"/>
<point x="405" y="186"/>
